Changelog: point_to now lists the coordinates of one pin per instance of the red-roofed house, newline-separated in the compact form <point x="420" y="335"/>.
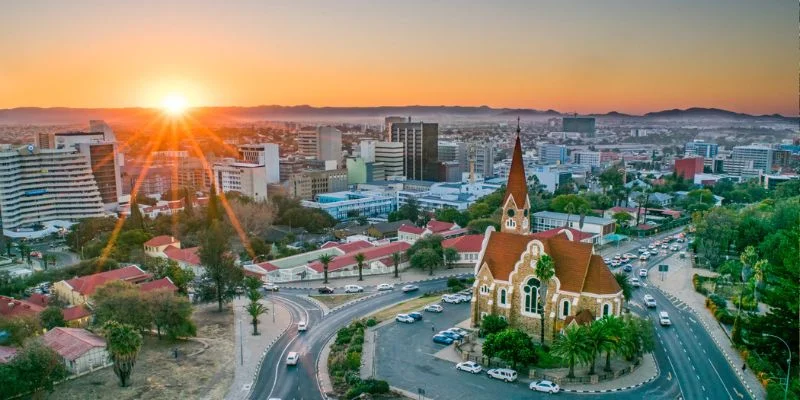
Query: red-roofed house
<point x="81" y="350"/>
<point x="156" y="246"/>
<point x="409" y="233"/>
<point x="76" y="316"/>
<point x="170" y="248"/>
<point x="158" y="284"/>
<point x="440" y="226"/>
<point x="10" y="307"/>
<point x="468" y="248"/>
<point x="78" y="290"/>
<point x="376" y="261"/>
<point x="570" y="233"/>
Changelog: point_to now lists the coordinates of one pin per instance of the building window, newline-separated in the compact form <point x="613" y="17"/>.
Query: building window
<point x="485" y="289"/>
<point x="531" y="298"/>
<point x="502" y="296"/>
<point x="565" y="308"/>
<point x="606" y="309"/>
<point x="510" y="223"/>
<point x="510" y="212"/>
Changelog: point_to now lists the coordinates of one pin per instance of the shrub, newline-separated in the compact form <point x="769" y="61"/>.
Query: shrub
<point x="718" y="300"/>
<point x="697" y="281"/>
<point x="748" y="303"/>
<point x="492" y="324"/>
<point x="372" y="322"/>
<point x="372" y="386"/>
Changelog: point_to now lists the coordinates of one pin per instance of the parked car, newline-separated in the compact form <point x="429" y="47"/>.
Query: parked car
<point x="452" y="299"/>
<point x="302" y="326"/>
<point x="644" y="257"/>
<point x="643" y="272"/>
<point x="469" y="366"/>
<point x="417" y="316"/>
<point x="544" y="386"/>
<point x="434" y="308"/>
<point x="451" y="335"/>
<point x="642" y="249"/>
<point x="663" y="319"/>
<point x="385" y="286"/>
<point x="269" y="286"/>
<point x="635" y="282"/>
<point x="410" y="288"/>
<point x="664" y="246"/>
<point x="462" y="332"/>
<point x="649" y="301"/>
<point x="627" y="268"/>
<point x="503" y="374"/>
<point x="628" y="255"/>
<point x="292" y="358"/>
<point x="607" y="260"/>
<point x="442" y="339"/>
<point x="674" y="247"/>
<point x="353" y="289"/>
<point x="325" y="290"/>
<point x="405" y="318"/>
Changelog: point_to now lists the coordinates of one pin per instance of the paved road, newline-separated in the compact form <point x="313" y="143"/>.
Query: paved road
<point x="276" y="379"/>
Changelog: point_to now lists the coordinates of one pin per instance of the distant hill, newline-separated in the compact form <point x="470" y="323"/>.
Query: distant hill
<point x="221" y="115"/>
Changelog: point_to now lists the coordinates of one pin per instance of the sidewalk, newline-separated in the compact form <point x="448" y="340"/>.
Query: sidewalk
<point x="644" y="373"/>
<point x="409" y="275"/>
<point x="248" y="358"/>
<point x="678" y="285"/>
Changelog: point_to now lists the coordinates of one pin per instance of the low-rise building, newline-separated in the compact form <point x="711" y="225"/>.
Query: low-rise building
<point x="78" y="290"/>
<point x="81" y="350"/>
<point x="169" y="247"/>
<point x="600" y="227"/>
<point x="349" y="205"/>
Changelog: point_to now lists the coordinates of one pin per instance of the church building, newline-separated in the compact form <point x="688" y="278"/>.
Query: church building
<point x="506" y="283"/>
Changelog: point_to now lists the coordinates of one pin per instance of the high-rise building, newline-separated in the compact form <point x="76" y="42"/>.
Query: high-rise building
<point x="307" y="184"/>
<point x="453" y="151"/>
<point x="245" y="178"/>
<point x="687" y="168"/>
<point x="588" y="158"/>
<point x="45" y="140"/>
<point x="194" y="173"/>
<point x="40" y="185"/>
<point x="391" y="155"/>
<point x="421" y="142"/>
<point x="265" y="154"/>
<point x="700" y="148"/>
<point x="367" y="150"/>
<point x="583" y="125"/>
<point x="387" y="126"/>
<point x="484" y="160"/>
<point x="321" y="143"/>
<point x="553" y="154"/>
<point x="760" y="155"/>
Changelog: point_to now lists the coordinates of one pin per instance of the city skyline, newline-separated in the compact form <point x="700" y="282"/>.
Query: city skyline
<point x="582" y="57"/>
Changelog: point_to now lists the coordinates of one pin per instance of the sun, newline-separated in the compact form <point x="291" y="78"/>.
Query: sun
<point x="174" y="104"/>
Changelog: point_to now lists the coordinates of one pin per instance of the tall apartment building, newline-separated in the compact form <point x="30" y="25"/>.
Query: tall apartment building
<point x="421" y="142"/>
<point x="39" y="185"/>
<point x="484" y="160"/>
<point x="553" y="154"/>
<point x="321" y="143"/>
<point x="248" y="179"/>
<point x="391" y="155"/>
<point x="760" y="155"/>
<point x="453" y="151"/>
<point x="701" y="149"/>
<point x="265" y="154"/>
<point x="367" y="150"/>
<point x="588" y="158"/>
<point x="193" y="173"/>
<point x="583" y="125"/>
<point x="307" y="184"/>
<point x="387" y="125"/>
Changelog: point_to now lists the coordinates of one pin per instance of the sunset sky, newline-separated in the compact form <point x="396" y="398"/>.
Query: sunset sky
<point x="586" y="56"/>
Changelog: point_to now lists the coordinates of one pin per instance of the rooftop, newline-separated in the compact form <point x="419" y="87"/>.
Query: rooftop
<point x="72" y="343"/>
<point x="587" y="219"/>
<point x="86" y="285"/>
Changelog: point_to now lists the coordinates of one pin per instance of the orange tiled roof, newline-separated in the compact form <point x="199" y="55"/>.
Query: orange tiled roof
<point x="160" y="241"/>
<point x="583" y="317"/>
<point x="599" y="279"/>
<point x="86" y="285"/>
<point x="75" y="312"/>
<point x="439" y="226"/>
<point x="10" y="307"/>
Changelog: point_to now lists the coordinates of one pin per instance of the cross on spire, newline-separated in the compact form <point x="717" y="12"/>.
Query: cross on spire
<point x="517" y="126"/>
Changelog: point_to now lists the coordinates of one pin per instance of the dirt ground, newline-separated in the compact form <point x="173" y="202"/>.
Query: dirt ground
<point x="333" y="300"/>
<point x="157" y="375"/>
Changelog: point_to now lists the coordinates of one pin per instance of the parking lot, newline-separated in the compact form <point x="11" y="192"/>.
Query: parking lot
<point x="405" y="358"/>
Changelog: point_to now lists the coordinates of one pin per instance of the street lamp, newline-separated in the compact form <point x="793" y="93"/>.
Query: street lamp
<point x="788" y="365"/>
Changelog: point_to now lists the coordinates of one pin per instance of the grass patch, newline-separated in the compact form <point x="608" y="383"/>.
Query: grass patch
<point x="414" y="304"/>
<point x="334" y="300"/>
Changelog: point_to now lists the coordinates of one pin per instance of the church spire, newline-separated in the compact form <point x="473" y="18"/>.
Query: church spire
<point x="516" y="203"/>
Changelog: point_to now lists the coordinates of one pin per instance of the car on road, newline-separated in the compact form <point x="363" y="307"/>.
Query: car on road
<point x="466" y="295"/>
<point x="452" y="299"/>
<point x="353" y="289"/>
<point x="302" y="326"/>
<point x="617" y="256"/>
<point x="405" y="318"/>
<point x="417" y="316"/>
<point x="385" y="286"/>
<point x="627" y="268"/>
<point x="434" y="308"/>
<point x="664" y="246"/>
<point x="628" y="255"/>
<point x="644" y="257"/>
<point x="649" y="301"/>
<point x="409" y="288"/>
<point x="635" y="282"/>
<point x="663" y="319"/>
<point x="292" y="358"/>
<point x="607" y="260"/>
<point x="451" y="335"/>
<point x="615" y="263"/>
<point x="643" y="273"/>
<point x="544" y="386"/>
<point x="442" y="339"/>
<point x="325" y="290"/>
<point x="674" y="247"/>
<point x="469" y="366"/>
<point x="271" y="287"/>
<point x="642" y="249"/>
<point x="503" y="374"/>
<point x="651" y="246"/>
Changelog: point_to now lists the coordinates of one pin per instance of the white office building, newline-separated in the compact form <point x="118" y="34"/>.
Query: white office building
<point x="321" y="143"/>
<point x="248" y="179"/>
<point x="553" y="154"/>
<point x="587" y="158"/>
<point x="761" y="156"/>
<point x="265" y="154"/>
<point x="391" y="155"/>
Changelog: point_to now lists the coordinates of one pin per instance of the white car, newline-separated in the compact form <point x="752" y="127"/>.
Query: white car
<point x="353" y="289"/>
<point x="385" y="286"/>
<point x="269" y="286"/>
<point x="649" y="301"/>
<point x="302" y="326"/>
<point x="673" y="247"/>
<point x="405" y="318"/>
<point x="462" y="332"/>
<point x="644" y="257"/>
<point x="663" y="319"/>
<point x="452" y="299"/>
<point x="292" y="358"/>
<point x="469" y="366"/>
<point x="607" y="260"/>
<point x="635" y="282"/>
<point x="434" y="308"/>
<point x="643" y="273"/>
<point x="642" y="249"/>
<point x="409" y="288"/>
<point x="544" y="386"/>
<point x="503" y="374"/>
<point x="628" y="255"/>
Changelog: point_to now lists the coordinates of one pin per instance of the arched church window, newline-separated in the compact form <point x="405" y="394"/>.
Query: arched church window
<point x="530" y="291"/>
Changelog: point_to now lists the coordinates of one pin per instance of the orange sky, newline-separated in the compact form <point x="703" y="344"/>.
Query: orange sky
<point x="584" y="57"/>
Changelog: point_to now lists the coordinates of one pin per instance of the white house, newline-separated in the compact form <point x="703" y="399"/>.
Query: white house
<point x="81" y="350"/>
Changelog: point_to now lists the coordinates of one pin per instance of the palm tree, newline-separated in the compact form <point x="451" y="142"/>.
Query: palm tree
<point x="123" y="343"/>
<point x="360" y="260"/>
<point x="545" y="270"/>
<point x="636" y="338"/>
<point x="396" y="260"/>
<point x="571" y="345"/>
<point x="613" y="327"/>
<point x="595" y="342"/>
<point x="570" y="209"/>
<point x="255" y="308"/>
<point x="325" y="259"/>
<point x="625" y="285"/>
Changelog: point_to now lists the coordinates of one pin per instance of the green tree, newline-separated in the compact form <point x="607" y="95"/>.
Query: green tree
<point x="135" y="220"/>
<point x="255" y="309"/>
<point x="611" y="178"/>
<point x="251" y="283"/>
<point x="52" y="317"/>
<point x="213" y="212"/>
<point x="622" y="218"/>
<point x="121" y="301"/>
<point x="426" y="259"/>
<point x="716" y="231"/>
<point x="492" y="324"/>
<point x="561" y="203"/>
<point x="171" y="314"/>
<point x="123" y="343"/>
<point x="788" y="189"/>
<point x="478" y="226"/>
<point x="637" y="337"/>
<point x="572" y="346"/>
<point x="20" y="328"/>
<point x="450" y="256"/>
<point x="325" y="260"/>
<point x="624" y="284"/>
<point x="613" y="328"/>
<point x="545" y="270"/>
<point x="511" y="345"/>
<point x="35" y="369"/>
<point x="360" y="260"/>
<point x="409" y="211"/>
<point x="396" y="257"/>
<point x="188" y="203"/>
<point x="598" y="339"/>
<point x="216" y="258"/>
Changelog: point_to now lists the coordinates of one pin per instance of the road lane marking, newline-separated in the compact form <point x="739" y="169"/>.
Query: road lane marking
<point x="720" y="379"/>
